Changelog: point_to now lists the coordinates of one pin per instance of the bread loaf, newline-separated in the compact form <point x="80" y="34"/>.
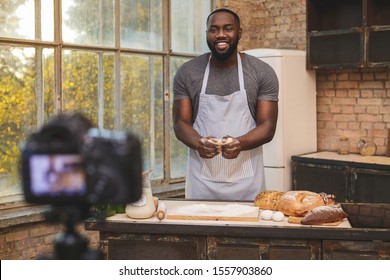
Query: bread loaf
<point x="298" y="203"/>
<point x="324" y="214"/>
<point x="268" y="200"/>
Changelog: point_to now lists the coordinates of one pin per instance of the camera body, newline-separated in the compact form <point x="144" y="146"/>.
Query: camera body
<point x="70" y="163"/>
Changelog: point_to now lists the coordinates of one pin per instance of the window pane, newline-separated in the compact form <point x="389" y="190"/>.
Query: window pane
<point x="88" y="86"/>
<point x="141" y="24"/>
<point x="179" y="152"/>
<point x="17" y="19"/>
<point x="88" y="22"/>
<point x="189" y="25"/>
<point x="80" y="83"/>
<point x="108" y="105"/>
<point x="47" y="20"/>
<point x="142" y="106"/>
<point x="48" y="83"/>
<point x="18" y="111"/>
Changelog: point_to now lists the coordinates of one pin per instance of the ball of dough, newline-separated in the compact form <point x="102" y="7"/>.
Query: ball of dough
<point x="278" y="216"/>
<point x="266" y="214"/>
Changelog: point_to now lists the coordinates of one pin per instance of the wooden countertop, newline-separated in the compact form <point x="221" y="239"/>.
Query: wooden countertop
<point x="213" y="219"/>
<point x="380" y="162"/>
<point x="121" y="224"/>
<point x="350" y="157"/>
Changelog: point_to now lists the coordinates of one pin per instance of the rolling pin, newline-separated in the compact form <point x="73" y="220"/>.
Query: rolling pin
<point x="161" y="210"/>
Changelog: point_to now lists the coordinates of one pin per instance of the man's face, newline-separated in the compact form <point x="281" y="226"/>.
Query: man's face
<point x="223" y="35"/>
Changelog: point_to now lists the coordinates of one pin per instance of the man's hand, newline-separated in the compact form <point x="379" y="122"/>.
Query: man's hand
<point x="231" y="147"/>
<point x="208" y="147"/>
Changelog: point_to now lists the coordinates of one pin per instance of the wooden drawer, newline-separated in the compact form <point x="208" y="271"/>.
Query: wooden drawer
<point x="262" y="249"/>
<point x="355" y="250"/>
<point x="152" y="247"/>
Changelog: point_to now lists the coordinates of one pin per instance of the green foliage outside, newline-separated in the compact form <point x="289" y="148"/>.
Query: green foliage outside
<point x="27" y="84"/>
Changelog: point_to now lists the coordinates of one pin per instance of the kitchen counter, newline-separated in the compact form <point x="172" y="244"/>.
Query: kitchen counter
<point x="351" y="178"/>
<point x="125" y="238"/>
<point x="357" y="159"/>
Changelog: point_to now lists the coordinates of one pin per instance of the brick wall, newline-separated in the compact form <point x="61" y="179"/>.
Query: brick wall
<point x="32" y="240"/>
<point x="270" y="23"/>
<point x="355" y="104"/>
<point x="352" y="103"/>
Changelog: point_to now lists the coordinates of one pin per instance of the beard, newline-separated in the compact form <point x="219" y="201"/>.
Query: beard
<point x="223" y="55"/>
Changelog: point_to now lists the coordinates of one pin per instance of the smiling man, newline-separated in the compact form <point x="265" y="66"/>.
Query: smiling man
<point x="225" y="108"/>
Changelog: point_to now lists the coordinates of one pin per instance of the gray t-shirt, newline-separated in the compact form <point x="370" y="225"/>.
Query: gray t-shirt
<point x="260" y="81"/>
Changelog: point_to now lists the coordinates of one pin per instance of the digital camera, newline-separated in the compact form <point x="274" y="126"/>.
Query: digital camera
<point x="68" y="162"/>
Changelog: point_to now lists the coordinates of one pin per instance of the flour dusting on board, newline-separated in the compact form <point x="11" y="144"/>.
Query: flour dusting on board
<point x="218" y="210"/>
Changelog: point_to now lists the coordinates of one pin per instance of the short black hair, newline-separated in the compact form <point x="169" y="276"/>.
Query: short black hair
<point x="224" y="10"/>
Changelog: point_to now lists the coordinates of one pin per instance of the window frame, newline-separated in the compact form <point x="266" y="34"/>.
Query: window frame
<point x="59" y="47"/>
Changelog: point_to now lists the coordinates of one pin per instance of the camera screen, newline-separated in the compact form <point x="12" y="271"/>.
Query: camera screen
<point x="57" y="175"/>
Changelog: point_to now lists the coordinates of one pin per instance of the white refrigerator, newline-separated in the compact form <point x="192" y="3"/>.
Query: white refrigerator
<point x="296" y="131"/>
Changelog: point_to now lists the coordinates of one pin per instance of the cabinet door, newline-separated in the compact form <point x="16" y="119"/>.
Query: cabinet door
<point x="355" y="250"/>
<point x="348" y="33"/>
<point x="330" y="179"/>
<point x="334" y="50"/>
<point x="335" y="34"/>
<point x="378" y="45"/>
<point x="370" y="186"/>
<point x="378" y="12"/>
<point x="155" y="247"/>
<point x="334" y="14"/>
<point x="254" y="249"/>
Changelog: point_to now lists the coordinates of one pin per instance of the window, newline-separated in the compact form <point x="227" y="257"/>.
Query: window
<point x="113" y="60"/>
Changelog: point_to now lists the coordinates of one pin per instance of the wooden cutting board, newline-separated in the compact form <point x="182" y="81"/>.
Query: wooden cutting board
<point x="297" y="220"/>
<point x="215" y="212"/>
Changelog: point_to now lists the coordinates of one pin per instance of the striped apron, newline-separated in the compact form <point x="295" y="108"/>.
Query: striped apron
<point x="241" y="178"/>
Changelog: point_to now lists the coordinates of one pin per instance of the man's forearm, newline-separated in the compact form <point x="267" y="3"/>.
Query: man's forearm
<point x="187" y="134"/>
<point x="256" y="137"/>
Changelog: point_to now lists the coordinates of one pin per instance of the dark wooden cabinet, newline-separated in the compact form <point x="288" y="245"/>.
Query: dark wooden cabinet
<point x="242" y="248"/>
<point x="348" y="34"/>
<point x="349" y="178"/>
<point x="127" y="246"/>
<point x="355" y="250"/>
<point x="182" y="247"/>
<point x="321" y="177"/>
<point x="370" y="185"/>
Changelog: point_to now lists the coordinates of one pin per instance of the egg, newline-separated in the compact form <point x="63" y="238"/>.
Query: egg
<point x="278" y="216"/>
<point x="266" y="214"/>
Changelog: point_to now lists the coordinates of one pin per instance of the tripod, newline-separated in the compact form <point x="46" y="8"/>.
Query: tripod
<point x="69" y="244"/>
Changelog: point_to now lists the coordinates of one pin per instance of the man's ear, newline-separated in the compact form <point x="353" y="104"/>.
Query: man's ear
<point x="239" y="33"/>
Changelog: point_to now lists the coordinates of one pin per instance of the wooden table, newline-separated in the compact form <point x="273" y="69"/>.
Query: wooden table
<point x="125" y="238"/>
